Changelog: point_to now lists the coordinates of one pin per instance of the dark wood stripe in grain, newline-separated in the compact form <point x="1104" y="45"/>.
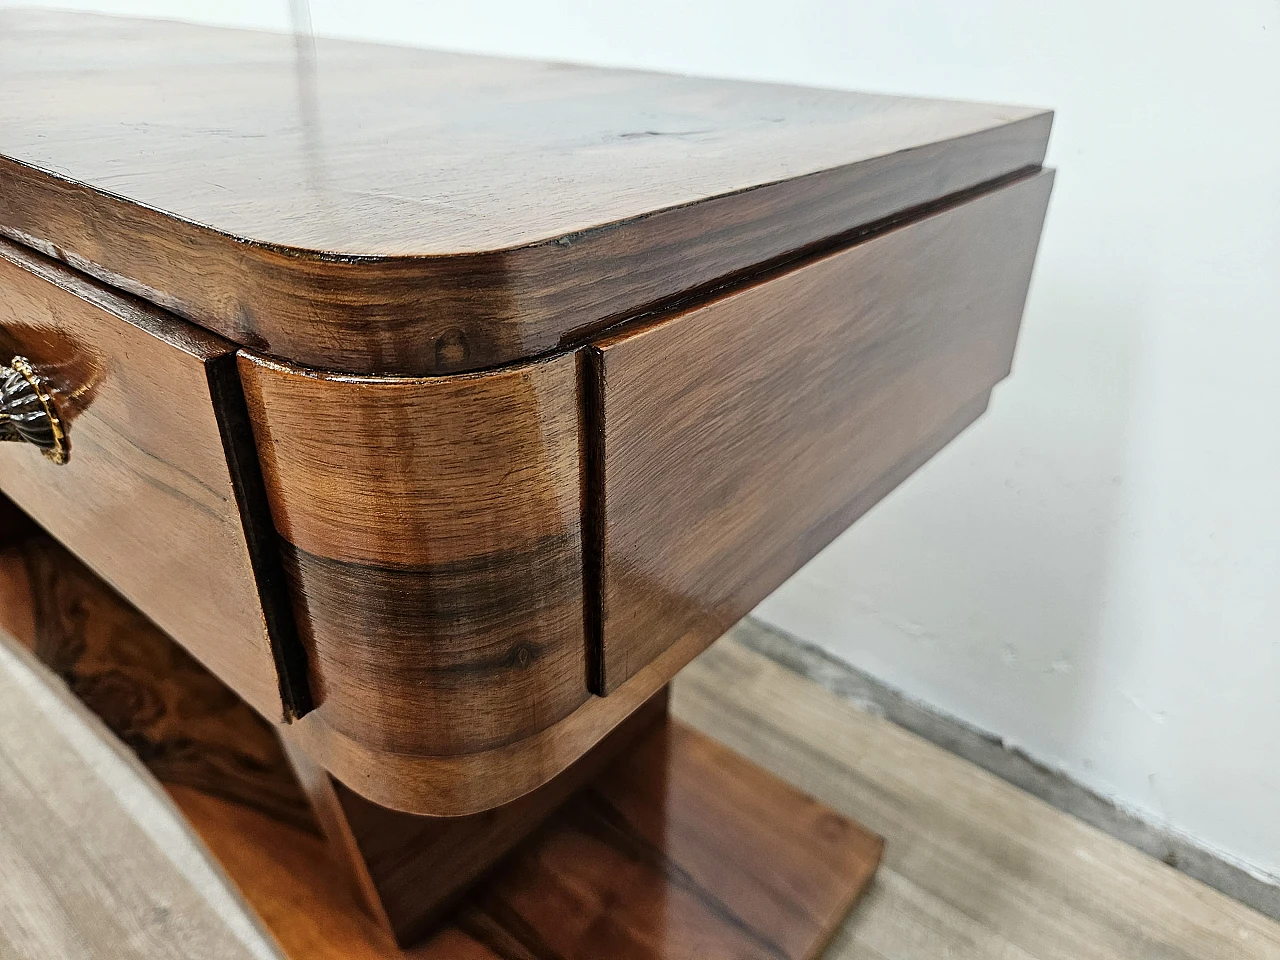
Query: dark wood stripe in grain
<point x="448" y="658"/>
<point x="432" y="543"/>
<point x="463" y="784"/>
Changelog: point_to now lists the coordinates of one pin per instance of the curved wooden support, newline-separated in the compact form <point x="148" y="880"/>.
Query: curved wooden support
<point x="463" y="784"/>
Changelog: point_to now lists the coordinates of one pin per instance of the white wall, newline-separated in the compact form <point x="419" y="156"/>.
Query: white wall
<point x="1093" y="571"/>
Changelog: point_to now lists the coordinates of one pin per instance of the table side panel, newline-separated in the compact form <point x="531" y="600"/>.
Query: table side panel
<point x="739" y="438"/>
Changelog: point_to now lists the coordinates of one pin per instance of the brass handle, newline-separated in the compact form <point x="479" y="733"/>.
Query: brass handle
<point x="27" y="413"/>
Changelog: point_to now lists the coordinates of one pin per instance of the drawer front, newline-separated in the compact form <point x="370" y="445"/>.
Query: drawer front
<point x="737" y="439"/>
<point x="147" y="498"/>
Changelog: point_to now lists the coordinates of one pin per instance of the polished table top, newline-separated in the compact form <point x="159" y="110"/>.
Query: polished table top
<point x="395" y="210"/>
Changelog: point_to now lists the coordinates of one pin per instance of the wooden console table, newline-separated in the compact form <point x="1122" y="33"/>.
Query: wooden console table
<point x="444" y="407"/>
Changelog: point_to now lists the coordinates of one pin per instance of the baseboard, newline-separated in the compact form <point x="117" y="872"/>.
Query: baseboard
<point x="986" y="751"/>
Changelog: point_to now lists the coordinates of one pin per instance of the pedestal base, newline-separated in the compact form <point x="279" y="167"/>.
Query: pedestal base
<point x="682" y="850"/>
<point x="675" y="848"/>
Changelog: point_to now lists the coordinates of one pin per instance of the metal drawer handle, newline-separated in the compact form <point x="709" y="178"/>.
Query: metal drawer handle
<point x="27" y="413"/>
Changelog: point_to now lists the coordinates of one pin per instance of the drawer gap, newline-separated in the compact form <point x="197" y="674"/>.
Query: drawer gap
<point x="260" y="535"/>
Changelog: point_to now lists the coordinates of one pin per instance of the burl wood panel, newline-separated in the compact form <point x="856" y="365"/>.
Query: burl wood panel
<point x="433" y="543"/>
<point x="182" y="722"/>
<point x="390" y="210"/>
<point x="152" y="498"/>
<point x="738" y="439"/>
<point x="411" y="870"/>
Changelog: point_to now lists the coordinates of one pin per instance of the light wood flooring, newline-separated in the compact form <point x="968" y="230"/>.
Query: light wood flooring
<point x="974" y="867"/>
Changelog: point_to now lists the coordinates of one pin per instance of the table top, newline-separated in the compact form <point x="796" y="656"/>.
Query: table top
<point x="349" y="176"/>
<point x="396" y="151"/>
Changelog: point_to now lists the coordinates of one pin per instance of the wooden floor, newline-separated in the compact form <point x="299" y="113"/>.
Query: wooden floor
<point x="974" y="867"/>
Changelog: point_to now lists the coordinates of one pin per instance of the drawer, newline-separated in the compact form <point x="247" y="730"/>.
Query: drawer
<point x="737" y="439"/>
<point x="154" y="494"/>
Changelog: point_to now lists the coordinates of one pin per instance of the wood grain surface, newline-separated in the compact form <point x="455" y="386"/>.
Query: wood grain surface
<point x="432" y="539"/>
<point x="462" y="784"/>
<point x="434" y="526"/>
<point x="152" y="498"/>
<point x="682" y="850"/>
<point x="384" y="209"/>
<point x="735" y="440"/>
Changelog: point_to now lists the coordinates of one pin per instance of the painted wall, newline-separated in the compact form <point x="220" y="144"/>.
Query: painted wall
<point x="1093" y="571"/>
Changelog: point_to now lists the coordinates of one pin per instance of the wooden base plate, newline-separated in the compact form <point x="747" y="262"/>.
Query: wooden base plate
<point x="683" y="850"/>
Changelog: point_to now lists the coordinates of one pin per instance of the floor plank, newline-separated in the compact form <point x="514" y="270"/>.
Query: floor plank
<point x="94" y="863"/>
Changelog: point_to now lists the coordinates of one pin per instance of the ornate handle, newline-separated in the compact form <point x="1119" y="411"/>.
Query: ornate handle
<point x="27" y="413"/>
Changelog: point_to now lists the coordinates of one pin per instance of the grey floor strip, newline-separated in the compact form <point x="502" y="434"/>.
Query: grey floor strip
<point x="869" y="694"/>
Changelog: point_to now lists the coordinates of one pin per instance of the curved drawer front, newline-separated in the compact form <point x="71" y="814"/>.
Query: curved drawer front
<point x="146" y="497"/>
<point x="432" y="538"/>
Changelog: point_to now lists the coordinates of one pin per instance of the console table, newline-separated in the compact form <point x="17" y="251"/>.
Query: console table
<point x="444" y="407"/>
